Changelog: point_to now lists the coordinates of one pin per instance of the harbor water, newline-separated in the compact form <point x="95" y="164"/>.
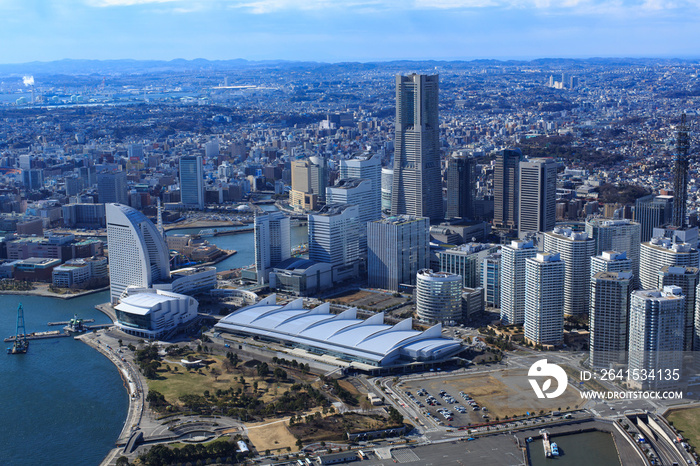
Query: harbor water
<point x="62" y="403"/>
<point x="242" y="243"/>
<point x="582" y="449"/>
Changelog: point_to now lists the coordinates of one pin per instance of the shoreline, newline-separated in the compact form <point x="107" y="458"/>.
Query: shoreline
<point x="43" y="292"/>
<point x="136" y="395"/>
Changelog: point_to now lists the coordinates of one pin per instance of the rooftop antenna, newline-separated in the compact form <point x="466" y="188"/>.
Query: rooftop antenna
<point x="680" y="181"/>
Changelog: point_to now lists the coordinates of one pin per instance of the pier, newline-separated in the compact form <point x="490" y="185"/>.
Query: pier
<point x="67" y="322"/>
<point x="38" y="335"/>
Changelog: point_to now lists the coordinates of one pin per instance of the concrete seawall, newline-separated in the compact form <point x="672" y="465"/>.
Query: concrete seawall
<point x="133" y="385"/>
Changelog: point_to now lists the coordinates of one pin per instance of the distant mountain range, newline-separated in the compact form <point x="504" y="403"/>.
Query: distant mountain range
<point x="126" y="67"/>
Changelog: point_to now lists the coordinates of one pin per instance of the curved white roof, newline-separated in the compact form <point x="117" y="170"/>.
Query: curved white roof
<point x="368" y="340"/>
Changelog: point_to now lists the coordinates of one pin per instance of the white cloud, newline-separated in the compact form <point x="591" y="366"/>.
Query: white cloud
<point x="108" y="3"/>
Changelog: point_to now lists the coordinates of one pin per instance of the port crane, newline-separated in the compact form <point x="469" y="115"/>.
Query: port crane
<point x="20" y="344"/>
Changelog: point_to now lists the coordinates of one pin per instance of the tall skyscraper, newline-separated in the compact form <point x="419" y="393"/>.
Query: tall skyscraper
<point x="610" y="304"/>
<point x="687" y="279"/>
<point x="657" y="319"/>
<point x="660" y="252"/>
<point x="506" y="185"/>
<point x="461" y="186"/>
<point x="138" y="254"/>
<point x="192" y="182"/>
<point x="576" y="249"/>
<point x="538" y="196"/>
<point x="544" y="299"/>
<point x="513" y="257"/>
<point x="334" y="239"/>
<point x="652" y="211"/>
<point x="112" y="187"/>
<point x="611" y="261"/>
<point x="272" y="242"/>
<point x="417" y="188"/>
<point x="617" y="235"/>
<point x="398" y="247"/>
<point x="368" y="167"/>
<point x="438" y="297"/>
<point x="491" y="279"/>
<point x="680" y="176"/>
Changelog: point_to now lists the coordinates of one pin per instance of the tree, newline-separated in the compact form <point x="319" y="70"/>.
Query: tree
<point x="394" y="416"/>
<point x="122" y="461"/>
<point x="263" y="369"/>
<point x="215" y="373"/>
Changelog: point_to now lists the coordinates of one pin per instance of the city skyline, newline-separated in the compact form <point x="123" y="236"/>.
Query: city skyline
<point x="288" y="30"/>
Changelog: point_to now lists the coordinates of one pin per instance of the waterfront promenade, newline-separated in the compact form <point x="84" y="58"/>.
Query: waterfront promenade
<point x="136" y="388"/>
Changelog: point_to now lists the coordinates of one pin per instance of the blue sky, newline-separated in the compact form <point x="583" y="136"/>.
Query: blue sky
<point x="352" y="30"/>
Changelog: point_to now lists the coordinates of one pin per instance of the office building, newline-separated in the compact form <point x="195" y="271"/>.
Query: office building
<point x="83" y="215"/>
<point x="112" y="187"/>
<point x="138" y="254"/>
<point x="398" y="247"/>
<point x="74" y="186"/>
<point x="356" y="191"/>
<point x="657" y="319"/>
<point x="334" y="239"/>
<point x="192" y="182"/>
<point x="387" y="182"/>
<point x="610" y="304"/>
<point x="687" y="279"/>
<point x="652" y="211"/>
<point x="538" y="196"/>
<point x="513" y="257"/>
<point x="491" y="279"/>
<point x="544" y="299"/>
<point x="438" y="297"/>
<point x="309" y="182"/>
<point x="466" y="260"/>
<point x="417" y="188"/>
<point x="617" y="235"/>
<point x="135" y="151"/>
<point x="272" y="237"/>
<point x="660" y="252"/>
<point x="506" y="186"/>
<point x="33" y="179"/>
<point x="367" y="167"/>
<point x="461" y="186"/>
<point x="611" y="261"/>
<point x="576" y="249"/>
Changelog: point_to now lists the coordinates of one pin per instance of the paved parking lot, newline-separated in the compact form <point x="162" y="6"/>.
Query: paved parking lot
<point x="504" y="393"/>
<point x="497" y="450"/>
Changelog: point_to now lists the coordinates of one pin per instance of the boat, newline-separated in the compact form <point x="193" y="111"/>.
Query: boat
<point x="555" y="449"/>
<point x="545" y="443"/>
